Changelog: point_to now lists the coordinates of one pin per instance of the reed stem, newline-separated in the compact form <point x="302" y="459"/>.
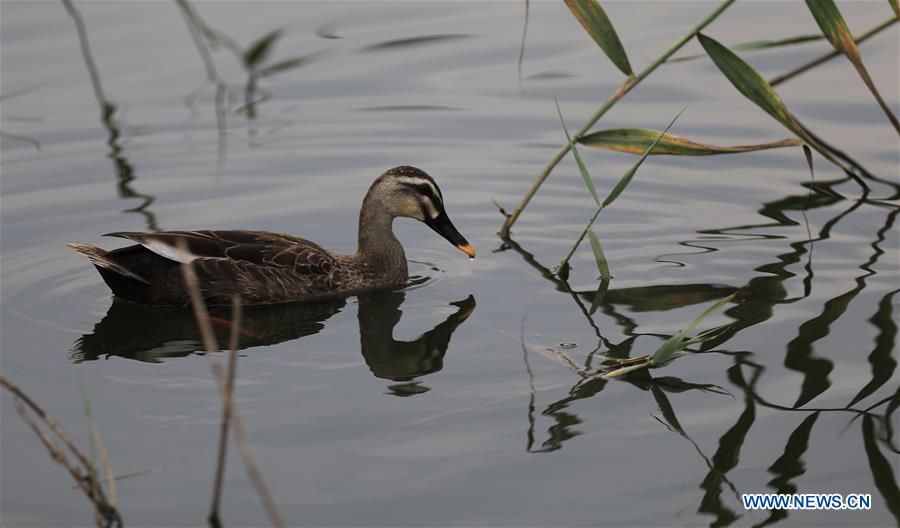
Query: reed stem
<point x="626" y="87"/>
<point x="577" y="243"/>
<point x="774" y="81"/>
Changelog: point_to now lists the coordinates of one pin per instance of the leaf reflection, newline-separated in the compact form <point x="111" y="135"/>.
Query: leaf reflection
<point x="760" y="298"/>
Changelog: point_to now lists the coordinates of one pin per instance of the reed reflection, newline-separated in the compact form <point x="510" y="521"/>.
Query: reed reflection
<point x="125" y="174"/>
<point x="760" y="298"/>
<point x="253" y="59"/>
<point x="149" y="334"/>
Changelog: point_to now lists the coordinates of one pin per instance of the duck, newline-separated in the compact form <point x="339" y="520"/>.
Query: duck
<point x="264" y="267"/>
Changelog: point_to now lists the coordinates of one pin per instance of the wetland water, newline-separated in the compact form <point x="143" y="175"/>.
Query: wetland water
<point x="419" y="407"/>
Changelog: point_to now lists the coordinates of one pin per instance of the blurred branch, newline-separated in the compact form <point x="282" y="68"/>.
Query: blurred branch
<point x="106" y="513"/>
<point x="522" y="46"/>
<point x="240" y="433"/>
<point x="233" y="345"/>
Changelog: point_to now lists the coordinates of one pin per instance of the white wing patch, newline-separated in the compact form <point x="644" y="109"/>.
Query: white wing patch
<point x="166" y="251"/>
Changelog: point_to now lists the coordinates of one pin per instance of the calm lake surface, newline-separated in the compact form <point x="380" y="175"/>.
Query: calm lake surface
<point x="421" y="406"/>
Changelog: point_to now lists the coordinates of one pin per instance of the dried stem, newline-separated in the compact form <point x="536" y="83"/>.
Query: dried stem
<point x="626" y="87"/>
<point x="97" y="442"/>
<point x="47" y="419"/>
<point x="106" y="513"/>
<point x="240" y="434"/>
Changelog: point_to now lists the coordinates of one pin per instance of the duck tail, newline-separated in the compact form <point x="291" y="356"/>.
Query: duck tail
<point x="102" y="260"/>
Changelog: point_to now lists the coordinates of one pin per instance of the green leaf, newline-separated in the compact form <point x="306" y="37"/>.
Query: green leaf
<point x="613" y="194"/>
<point x="747" y="81"/>
<point x="757" y="45"/>
<point x="636" y="140"/>
<point x="629" y="174"/>
<point x="833" y="26"/>
<point x="835" y="29"/>
<point x="674" y="346"/>
<point x="896" y="7"/>
<point x="581" y="167"/>
<point x="602" y="265"/>
<point x="598" y="26"/>
<point x="259" y="51"/>
<point x="710" y="334"/>
<point x="754" y="87"/>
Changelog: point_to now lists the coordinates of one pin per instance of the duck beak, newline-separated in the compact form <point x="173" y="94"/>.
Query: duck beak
<point x="444" y="227"/>
<point x="468" y="250"/>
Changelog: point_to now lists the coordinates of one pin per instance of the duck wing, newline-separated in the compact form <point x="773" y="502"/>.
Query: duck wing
<point x="260" y="266"/>
<point x="246" y="248"/>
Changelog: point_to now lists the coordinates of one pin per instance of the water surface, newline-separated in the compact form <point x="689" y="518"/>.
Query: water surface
<point x="421" y="406"/>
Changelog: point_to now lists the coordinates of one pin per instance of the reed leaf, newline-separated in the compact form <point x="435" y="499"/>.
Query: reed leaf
<point x="835" y="29"/>
<point x="616" y="96"/>
<point x="895" y="5"/>
<point x="629" y="174"/>
<point x="563" y="268"/>
<point x="598" y="26"/>
<point x="602" y="265"/>
<point x="757" y="45"/>
<point x="709" y="335"/>
<point x="580" y="162"/>
<point x="674" y="346"/>
<point x="630" y="369"/>
<point x="636" y="141"/>
<point x="752" y="85"/>
<point x="747" y="81"/>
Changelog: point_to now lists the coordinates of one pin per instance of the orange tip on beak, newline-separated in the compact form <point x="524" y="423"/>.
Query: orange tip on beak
<point x="468" y="250"/>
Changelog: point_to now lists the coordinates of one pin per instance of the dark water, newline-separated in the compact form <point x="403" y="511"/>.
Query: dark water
<point x="419" y="407"/>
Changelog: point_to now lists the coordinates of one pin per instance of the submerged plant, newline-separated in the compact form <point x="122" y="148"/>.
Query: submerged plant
<point x="674" y="347"/>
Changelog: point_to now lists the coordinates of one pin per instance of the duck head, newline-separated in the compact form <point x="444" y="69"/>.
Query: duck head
<point x="409" y="192"/>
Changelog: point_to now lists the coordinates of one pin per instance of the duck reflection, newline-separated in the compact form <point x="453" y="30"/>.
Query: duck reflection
<point x="404" y="361"/>
<point x="150" y="334"/>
